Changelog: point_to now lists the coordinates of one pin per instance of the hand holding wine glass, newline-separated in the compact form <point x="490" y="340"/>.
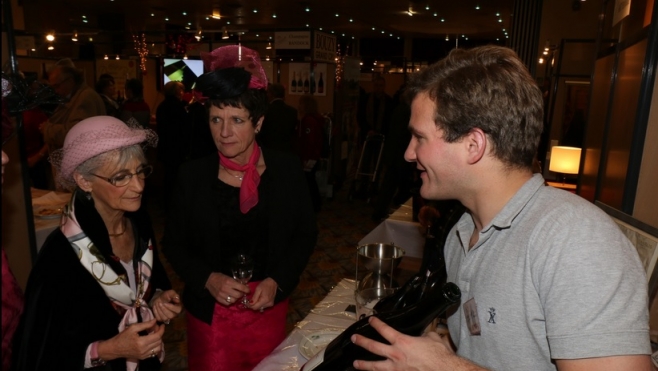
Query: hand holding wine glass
<point x="242" y="267"/>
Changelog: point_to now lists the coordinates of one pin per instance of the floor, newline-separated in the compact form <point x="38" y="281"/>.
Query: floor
<point x="341" y="223"/>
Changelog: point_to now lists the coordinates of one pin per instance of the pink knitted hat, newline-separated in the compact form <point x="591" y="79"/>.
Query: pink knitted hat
<point x="92" y="137"/>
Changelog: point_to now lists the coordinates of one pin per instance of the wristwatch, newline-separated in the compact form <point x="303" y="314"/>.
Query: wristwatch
<point x="93" y="353"/>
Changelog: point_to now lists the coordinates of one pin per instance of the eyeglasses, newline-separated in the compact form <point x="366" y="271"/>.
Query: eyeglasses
<point x="123" y="178"/>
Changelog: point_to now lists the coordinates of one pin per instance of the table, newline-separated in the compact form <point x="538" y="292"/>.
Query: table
<point x="42" y="226"/>
<point x="328" y="315"/>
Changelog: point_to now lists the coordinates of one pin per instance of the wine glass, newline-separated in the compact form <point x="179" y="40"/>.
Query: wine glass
<point x="242" y="266"/>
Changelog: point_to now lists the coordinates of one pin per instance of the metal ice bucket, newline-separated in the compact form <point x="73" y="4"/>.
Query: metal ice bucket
<point x="380" y="259"/>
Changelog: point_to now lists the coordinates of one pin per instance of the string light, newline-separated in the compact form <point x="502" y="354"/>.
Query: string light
<point x="142" y="50"/>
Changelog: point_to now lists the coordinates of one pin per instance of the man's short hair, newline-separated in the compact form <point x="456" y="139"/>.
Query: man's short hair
<point x="487" y="87"/>
<point x="276" y="90"/>
<point x="170" y="88"/>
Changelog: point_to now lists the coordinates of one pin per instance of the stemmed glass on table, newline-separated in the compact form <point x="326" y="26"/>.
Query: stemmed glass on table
<point x="242" y="266"/>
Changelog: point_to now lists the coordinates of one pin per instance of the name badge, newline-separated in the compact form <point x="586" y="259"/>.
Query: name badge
<point x="471" y="314"/>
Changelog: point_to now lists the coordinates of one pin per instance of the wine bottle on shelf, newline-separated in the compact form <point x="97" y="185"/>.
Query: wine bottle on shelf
<point x="300" y="83"/>
<point x="306" y="84"/>
<point x="293" y="85"/>
<point x="341" y="352"/>
<point x="320" y="84"/>
<point x="313" y="83"/>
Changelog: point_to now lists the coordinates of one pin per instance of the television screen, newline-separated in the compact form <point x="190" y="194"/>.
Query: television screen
<point x="183" y="70"/>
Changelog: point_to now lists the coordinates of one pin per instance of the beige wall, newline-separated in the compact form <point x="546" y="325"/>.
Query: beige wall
<point x="646" y="201"/>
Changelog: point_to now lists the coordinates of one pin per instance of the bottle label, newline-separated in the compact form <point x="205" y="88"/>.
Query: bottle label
<point x="314" y="362"/>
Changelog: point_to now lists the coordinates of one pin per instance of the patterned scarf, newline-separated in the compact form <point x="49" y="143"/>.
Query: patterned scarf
<point x="250" y="181"/>
<point x="116" y="287"/>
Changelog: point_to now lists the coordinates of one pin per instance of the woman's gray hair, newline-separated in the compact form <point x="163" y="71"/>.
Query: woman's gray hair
<point x="119" y="157"/>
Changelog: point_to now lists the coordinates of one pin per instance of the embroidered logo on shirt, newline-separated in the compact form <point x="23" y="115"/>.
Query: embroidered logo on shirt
<point x="492" y="315"/>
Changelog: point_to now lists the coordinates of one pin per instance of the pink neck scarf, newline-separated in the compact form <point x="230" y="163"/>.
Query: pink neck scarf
<point x="250" y="181"/>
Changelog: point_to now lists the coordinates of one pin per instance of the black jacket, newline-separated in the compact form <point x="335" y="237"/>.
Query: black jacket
<point x="278" y="130"/>
<point x="192" y="241"/>
<point x="66" y="309"/>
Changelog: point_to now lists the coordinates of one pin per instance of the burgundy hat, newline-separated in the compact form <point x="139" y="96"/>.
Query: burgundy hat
<point x="237" y="56"/>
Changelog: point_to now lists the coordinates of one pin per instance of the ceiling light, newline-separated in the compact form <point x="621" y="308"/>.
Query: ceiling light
<point x="50" y="36"/>
<point x="117" y="57"/>
<point x="477" y="7"/>
<point x="50" y="47"/>
<point x="84" y="21"/>
<point x="443" y="19"/>
<point x="215" y="13"/>
<point x="382" y="31"/>
<point x="351" y="20"/>
<point x="152" y="15"/>
<point x="269" y="45"/>
<point x="497" y="14"/>
<point x="320" y="28"/>
<point x="307" y="25"/>
<point x="184" y="13"/>
<point x="337" y="15"/>
<point x="167" y="19"/>
<point x="373" y="28"/>
<point x="207" y="18"/>
<point x="198" y="35"/>
<point x="74" y="38"/>
<point x="91" y="39"/>
<point x="541" y="60"/>
<point x="435" y="14"/>
<point x="308" y="9"/>
<point x="255" y="10"/>
<point x="273" y="15"/>
<point x="224" y="34"/>
<point x="447" y="38"/>
<point x="185" y="56"/>
<point x="267" y="57"/>
<point x="427" y="7"/>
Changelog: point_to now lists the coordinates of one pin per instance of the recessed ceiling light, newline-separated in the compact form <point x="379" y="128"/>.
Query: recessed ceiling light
<point x="391" y="35"/>
<point x="167" y="19"/>
<point x="477" y="7"/>
<point x="373" y="28"/>
<point x="497" y="14"/>
<point x="273" y="15"/>
<point x="320" y="28"/>
<point x="382" y="31"/>
<point x="184" y="13"/>
<point x="443" y="19"/>
<point x="500" y="20"/>
<point x="435" y="14"/>
<point x="343" y="35"/>
<point x="84" y="21"/>
<point x="351" y="20"/>
<point x="307" y="25"/>
<point x="207" y="18"/>
<point x="332" y="31"/>
<point x="255" y="10"/>
<point x="337" y="15"/>
<point x="84" y="16"/>
<point x="427" y="7"/>
<point x="152" y="15"/>
<point x="257" y="35"/>
<point x="189" y="23"/>
<point x="308" y="9"/>
<point x="228" y="22"/>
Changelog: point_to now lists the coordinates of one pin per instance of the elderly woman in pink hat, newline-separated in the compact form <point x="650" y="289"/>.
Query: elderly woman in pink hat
<point x="241" y="201"/>
<point x="98" y="294"/>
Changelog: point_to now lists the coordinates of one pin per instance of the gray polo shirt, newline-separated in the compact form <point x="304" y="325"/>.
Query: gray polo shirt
<point x="552" y="277"/>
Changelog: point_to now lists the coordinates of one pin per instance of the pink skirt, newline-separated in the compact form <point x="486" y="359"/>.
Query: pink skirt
<point x="237" y="339"/>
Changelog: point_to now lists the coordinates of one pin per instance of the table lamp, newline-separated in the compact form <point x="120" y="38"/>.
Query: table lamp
<point x="565" y="160"/>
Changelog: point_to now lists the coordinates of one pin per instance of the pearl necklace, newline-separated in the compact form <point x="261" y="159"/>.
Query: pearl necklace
<point x="233" y="175"/>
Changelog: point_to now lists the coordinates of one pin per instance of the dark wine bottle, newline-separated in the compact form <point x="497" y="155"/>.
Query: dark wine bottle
<point x="313" y="83"/>
<point x="293" y="85"/>
<point x="412" y="320"/>
<point x="300" y="83"/>
<point x="306" y="84"/>
<point x="320" y="84"/>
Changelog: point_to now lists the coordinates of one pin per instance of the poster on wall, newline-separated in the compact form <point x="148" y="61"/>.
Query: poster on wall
<point x="301" y="81"/>
<point x="122" y="70"/>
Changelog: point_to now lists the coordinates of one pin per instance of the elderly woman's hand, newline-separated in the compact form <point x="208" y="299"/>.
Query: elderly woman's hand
<point x="130" y="345"/>
<point x="264" y="295"/>
<point x="225" y="289"/>
<point x="166" y="306"/>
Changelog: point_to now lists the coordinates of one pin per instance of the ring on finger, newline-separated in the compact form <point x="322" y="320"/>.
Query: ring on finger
<point x="153" y="352"/>
<point x="228" y="299"/>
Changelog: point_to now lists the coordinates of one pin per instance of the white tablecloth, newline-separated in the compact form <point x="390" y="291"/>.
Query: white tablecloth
<point x="401" y="230"/>
<point x="44" y="226"/>
<point x="328" y="315"/>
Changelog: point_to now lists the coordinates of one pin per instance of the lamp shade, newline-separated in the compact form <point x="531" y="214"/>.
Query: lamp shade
<point x="565" y="160"/>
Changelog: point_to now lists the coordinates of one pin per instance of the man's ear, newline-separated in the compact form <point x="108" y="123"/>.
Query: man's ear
<point x="476" y="145"/>
<point x="83" y="183"/>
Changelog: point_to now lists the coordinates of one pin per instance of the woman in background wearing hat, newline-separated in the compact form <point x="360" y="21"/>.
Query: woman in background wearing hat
<point x="98" y="293"/>
<point x="242" y="200"/>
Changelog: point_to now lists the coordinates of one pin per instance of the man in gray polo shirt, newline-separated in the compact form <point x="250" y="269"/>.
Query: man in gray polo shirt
<point x="548" y="281"/>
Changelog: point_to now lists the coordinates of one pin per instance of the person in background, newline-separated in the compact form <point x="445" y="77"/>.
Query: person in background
<point x="98" y="294"/>
<point x="107" y="90"/>
<point x="135" y="106"/>
<point x="547" y="279"/>
<point x="310" y="140"/>
<point x="241" y="199"/>
<point x="12" y="296"/>
<point x="171" y="117"/>
<point x="280" y="122"/>
<point x="80" y="103"/>
<point x="376" y="110"/>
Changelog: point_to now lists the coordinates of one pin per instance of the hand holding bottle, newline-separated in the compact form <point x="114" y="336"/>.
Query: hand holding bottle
<point x="424" y="353"/>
